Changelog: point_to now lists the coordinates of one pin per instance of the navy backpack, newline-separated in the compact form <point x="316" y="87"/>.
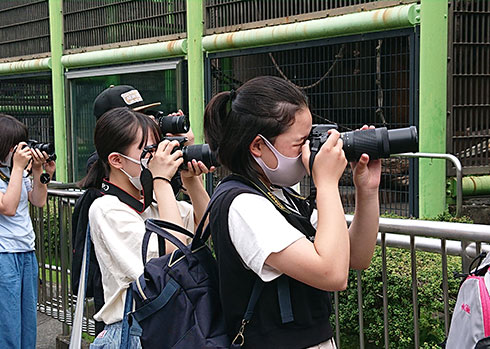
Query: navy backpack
<point x="177" y="302"/>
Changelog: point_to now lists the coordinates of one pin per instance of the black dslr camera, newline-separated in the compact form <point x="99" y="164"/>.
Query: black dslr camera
<point x="47" y="147"/>
<point x="170" y="124"/>
<point x="199" y="152"/>
<point x="376" y="142"/>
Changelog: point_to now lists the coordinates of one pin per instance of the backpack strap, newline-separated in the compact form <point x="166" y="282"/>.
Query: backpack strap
<point x="202" y="235"/>
<point x="76" y="334"/>
<point x="284" y="296"/>
<point x="158" y="227"/>
<point x="284" y="304"/>
<point x="150" y="308"/>
<point x="239" y="339"/>
<point x="128" y="305"/>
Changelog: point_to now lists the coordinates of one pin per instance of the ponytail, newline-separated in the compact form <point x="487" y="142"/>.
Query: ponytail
<point x="215" y="118"/>
<point x="95" y="175"/>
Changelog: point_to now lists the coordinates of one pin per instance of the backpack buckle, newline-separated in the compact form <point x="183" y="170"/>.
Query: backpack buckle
<point x="239" y="338"/>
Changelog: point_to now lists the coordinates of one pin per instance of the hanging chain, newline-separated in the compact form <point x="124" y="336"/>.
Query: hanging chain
<point x="379" y="110"/>
<point x="338" y="56"/>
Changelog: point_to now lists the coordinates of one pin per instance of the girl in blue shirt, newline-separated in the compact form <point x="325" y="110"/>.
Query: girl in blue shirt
<point x="18" y="264"/>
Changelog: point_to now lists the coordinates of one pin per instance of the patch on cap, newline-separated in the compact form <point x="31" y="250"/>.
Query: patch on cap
<point x="131" y="97"/>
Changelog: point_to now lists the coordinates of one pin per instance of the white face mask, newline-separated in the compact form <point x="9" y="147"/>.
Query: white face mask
<point x="135" y="180"/>
<point x="288" y="172"/>
<point x="8" y="160"/>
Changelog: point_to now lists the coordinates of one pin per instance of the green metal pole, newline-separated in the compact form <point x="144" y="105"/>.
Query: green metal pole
<point x="432" y="107"/>
<point x="58" y="86"/>
<point x="195" y="64"/>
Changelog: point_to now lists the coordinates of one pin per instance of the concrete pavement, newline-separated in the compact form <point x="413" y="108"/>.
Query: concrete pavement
<point x="47" y="331"/>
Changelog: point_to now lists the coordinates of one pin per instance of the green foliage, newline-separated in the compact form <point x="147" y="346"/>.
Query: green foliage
<point x="400" y="304"/>
<point x="51" y="231"/>
<point x="448" y="217"/>
<point x="87" y="338"/>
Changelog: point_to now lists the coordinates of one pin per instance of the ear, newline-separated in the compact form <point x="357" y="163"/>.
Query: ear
<point x="115" y="160"/>
<point x="256" y="145"/>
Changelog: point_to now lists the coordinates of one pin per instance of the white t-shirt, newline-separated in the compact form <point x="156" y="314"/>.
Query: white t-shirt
<point x="258" y="229"/>
<point x="117" y="233"/>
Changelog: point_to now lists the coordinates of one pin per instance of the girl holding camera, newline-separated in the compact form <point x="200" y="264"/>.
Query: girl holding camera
<point x="260" y="133"/>
<point x="18" y="263"/>
<point x="117" y="225"/>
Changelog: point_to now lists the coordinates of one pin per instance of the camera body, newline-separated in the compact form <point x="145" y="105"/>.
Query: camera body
<point x="377" y="143"/>
<point x="199" y="152"/>
<point x="47" y="147"/>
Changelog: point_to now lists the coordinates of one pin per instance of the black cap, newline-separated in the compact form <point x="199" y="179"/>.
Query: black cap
<point x="119" y="96"/>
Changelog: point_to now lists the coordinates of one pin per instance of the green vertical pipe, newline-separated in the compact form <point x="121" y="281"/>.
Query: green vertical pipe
<point x="195" y="67"/>
<point x="432" y="107"/>
<point x="58" y="86"/>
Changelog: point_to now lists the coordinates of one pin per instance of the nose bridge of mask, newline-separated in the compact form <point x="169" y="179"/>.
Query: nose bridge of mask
<point x="143" y="163"/>
<point x="275" y="151"/>
<point x="130" y="158"/>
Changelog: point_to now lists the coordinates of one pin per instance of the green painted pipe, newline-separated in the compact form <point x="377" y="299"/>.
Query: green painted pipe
<point x="472" y="185"/>
<point x="32" y="65"/>
<point x="195" y="67"/>
<point x="432" y="106"/>
<point x="355" y="23"/>
<point x="58" y="88"/>
<point x="126" y="54"/>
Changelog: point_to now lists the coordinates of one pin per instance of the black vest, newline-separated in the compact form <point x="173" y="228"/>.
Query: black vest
<point x="311" y="307"/>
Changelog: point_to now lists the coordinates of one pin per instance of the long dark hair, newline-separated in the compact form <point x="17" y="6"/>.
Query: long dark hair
<point x="265" y="105"/>
<point x="115" y="131"/>
<point x="13" y="132"/>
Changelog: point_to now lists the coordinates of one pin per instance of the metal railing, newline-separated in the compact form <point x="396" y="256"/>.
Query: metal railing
<point x="457" y="166"/>
<point x="53" y="229"/>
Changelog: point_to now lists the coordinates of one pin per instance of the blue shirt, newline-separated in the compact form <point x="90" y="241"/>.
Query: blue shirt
<point x="16" y="232"/>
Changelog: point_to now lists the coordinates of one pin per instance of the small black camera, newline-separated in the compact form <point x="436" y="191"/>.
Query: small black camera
<point x="376" y="142"/>
<point x="170" y="124"/>
<point x="199" y="152"/>
<point x="47" y="147"/>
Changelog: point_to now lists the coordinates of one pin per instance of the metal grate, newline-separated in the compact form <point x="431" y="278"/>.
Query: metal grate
<point x="30" y="101"/>
<point x="100" y="22"/>
<point x="469" y="84"/>
<point x="227" y="14"/>
<point x="349" y="83"/>
<point x="157" y="86"/>
<point x="24" y="27"/>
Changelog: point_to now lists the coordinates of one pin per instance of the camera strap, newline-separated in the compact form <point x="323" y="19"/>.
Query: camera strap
<point x="112" y="189"/>
<point x="300" y="221"/>
<point x="4" y="177"/>
<point x="314" y="148"/>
